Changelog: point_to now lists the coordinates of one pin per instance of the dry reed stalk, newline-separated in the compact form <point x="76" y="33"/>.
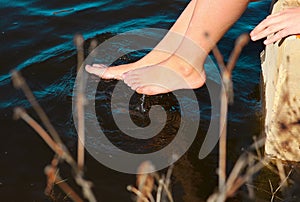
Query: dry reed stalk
<point x="223" y="125"/>
<point x="239" y="181"/>
<point x="86" y="186"/>
<point x="79" y="41"/>
<point x="52" y="172"/>
<point x="235" y="181"/>
<point x="281" y="185"/>
<point x="250" y="189"/>
<point x="92" y="46"/>
<point x="227" y="97"/>
<point x="55" y="144"/>
<point x="247" y="164"/>
<point x="80" y="102"/>
<point x="19" y="83"/>
<point x="137" y="193"/>
<point x="67" y="189"/>
<point x="168" y="181"/>
<point x="159" y="190"/>
<point x="146" y="181"/>
<point x="240" y="43"/>
<point x="53" y="176"/>
<point x="281" y="173"/>
<point x="228" y="187"/>
<point x="222" y="142"/>
<point x="244" y="160"/>
<point x="21" y="113"/>
<point x="256" y="146"/>
<point x="165" y="183"/>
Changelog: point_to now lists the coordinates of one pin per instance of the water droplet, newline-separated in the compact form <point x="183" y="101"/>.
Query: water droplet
<point x="142" y="109"/>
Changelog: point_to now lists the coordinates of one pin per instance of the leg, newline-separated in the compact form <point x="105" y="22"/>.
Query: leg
<point x="151" y="58"/>
<point x="212" y="17"/>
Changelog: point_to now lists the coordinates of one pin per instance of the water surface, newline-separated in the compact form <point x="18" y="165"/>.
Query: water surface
<point x="37" y="39"/>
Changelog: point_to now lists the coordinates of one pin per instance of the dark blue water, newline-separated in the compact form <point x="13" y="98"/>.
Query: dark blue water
<point x="37" y="39"/>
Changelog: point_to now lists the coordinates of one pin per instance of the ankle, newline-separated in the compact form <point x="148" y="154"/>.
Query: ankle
<point x="200" y="81"/>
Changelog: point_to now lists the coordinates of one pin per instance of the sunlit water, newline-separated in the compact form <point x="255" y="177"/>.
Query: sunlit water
<point x="37" y="39"/>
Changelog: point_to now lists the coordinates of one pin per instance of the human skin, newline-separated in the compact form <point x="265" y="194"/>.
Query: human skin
<point x="150" y="74"/>
<point x="278" y="26"/>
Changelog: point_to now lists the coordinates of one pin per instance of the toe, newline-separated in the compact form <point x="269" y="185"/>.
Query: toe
<point x="129" y="75"/>
<point x="140" y="90"/>
<point x="145" y="90"/>
<point x="99" y="65"/>
<point x="109" y="74"/>
<point x="135" y="86"/>
<point x="94" y="70"/>
<point x="131" y="79"/>
<point x="102" y="71"/>
<point x="152" y="90"/>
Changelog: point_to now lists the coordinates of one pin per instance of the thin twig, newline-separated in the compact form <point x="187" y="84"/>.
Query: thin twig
<point x="226" y="97"/>
<point x="282" y="184"/>
<point x="86" y="185"/>
<point x="257" y="148"/>
<point x="272" y="190"/>
<point x="237" y="169"/>
<point x="168" y="176"/>
<point x="54" y="178"/>
<point x="159" y="190"/>
<point x="167" y="183"/>
<point x="21" y="113"/>
<point x="93" y="45"/>
<point x="137" y="193"/>
<point x="223" y="125"/>
<point x="218" y="56"/>
<point x="56" y="144"/>
<point x="164" y="183"/>
<point x="242" y="180"/>
<point x="222" y="143"/>
<point x="80" y="102"/>
<point x="67" y="189"/>
<point x="78" y="40"/>
<point x="241" y="163"/>
<point x="19" y="83"/>
<point x="281" y="172"/>
<point x="51" y="175"/>
<point x="240" y="43"/>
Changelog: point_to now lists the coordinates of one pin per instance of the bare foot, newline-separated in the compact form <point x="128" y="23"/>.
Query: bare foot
<point x="170" y="41"/>
<point x="159" y="71"/>
<point x="116" y="72"/>
<point x="105" y="72"/>
<point x="173" y="74"/>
